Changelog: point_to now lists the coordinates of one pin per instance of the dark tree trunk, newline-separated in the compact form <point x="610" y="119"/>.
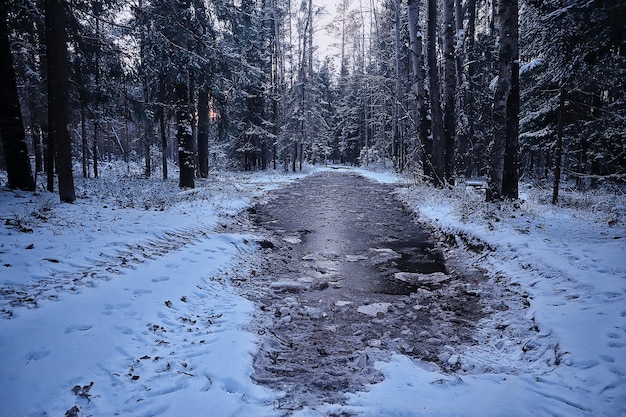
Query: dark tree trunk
<point x="510" y="176"/>
<point x="84" y="149"/>
<point x="469" y="103"/>
<point x="184" y="134"/>
<point x="449" y="118"/>
<point x="203" y="134"/>
<point x="58" y="96"/>
<point x="37" y="145"/>
<point x="97" y="10"/>
<point x="163" y="131"/>
<point x="397" y="143"/>
<point x="439" y="146"/>
<point x="417" y="61"/>
<point x="11" y="126"/>
<point x="559" y="148"/>
<point x="504" y="172"/>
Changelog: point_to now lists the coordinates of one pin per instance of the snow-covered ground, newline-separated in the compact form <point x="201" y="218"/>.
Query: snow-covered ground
<point x="120" y="305"/>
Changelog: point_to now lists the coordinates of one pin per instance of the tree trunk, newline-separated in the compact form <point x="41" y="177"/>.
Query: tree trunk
<point x="58" y="96"/>
<point x="184" y="134"/>
<point x="162" y="129"/>
<point x="469" y="103"/>
<point x="397" y="146"/>
<point x="37" y="145"/>
<point x="504" y="171"/>
<point x="203" y="134"/>
<point x="11" y="125"/>
<point x="417" y="62"/>
<point x="97" y="10"/>
<point x="462" y="131"/>
<point x="559" y="148"/>
<point x="439" y="146"/>
<point x="84" y="148"/>
<point x="450" y="76"/>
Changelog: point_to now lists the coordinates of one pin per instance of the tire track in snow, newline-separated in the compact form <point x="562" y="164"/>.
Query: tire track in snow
<point x="73" y="279"/>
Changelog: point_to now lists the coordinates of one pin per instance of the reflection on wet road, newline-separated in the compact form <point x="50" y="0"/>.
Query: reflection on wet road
<point x="353" y="230"/>
<point x="345" y="278"/>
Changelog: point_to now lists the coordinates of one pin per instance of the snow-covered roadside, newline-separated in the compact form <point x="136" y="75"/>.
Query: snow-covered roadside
<point x="568" y="265"/>
<point x="123" y="307"/>
<point x="111" y="306"/>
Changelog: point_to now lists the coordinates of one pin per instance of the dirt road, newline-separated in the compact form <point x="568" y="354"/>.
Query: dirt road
<point x="346" y="278"/>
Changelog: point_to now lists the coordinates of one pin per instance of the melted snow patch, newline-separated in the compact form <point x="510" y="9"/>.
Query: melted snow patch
<point x="294" y="240"/>
<point x="374" y="308"/>
<point x="287" y="286"/>
<point x="414" y="278"/>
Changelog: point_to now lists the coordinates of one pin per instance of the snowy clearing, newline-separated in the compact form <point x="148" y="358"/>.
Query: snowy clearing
<point x="121" y="304"/>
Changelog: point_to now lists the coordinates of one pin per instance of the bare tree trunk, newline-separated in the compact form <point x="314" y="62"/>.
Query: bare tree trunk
<point x="397" y="146"/>
<point x="469" y="102"/>
<point x="450" y="76"/>
<point x="148" y="130"/>
<point x="504" y="172"/>
<point x="162" y="129"/>
<point x="559" y="148"/>
<point x="462" y="131"/>
<point x="417" y="62"/>
<point x="184" y="133"/>
<point x="11" y="125"/>
<point x="203" y="134"/>
<point x="84" y="149"/>
<point x="439" y="146"/>
<point x="58" y="95"/>
<point x="97" y="10"/>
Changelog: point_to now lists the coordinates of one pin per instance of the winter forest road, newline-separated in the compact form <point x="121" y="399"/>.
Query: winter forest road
<point x="345" y="278"/>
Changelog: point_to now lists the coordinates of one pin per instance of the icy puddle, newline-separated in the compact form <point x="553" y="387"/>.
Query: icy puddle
<point x="350" y="277"/>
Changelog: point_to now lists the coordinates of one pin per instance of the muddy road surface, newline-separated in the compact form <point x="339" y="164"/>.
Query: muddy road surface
<point x="346" y="277"/>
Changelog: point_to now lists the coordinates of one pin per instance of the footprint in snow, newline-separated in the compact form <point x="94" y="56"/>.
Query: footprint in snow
<point x="140" y="292"/>
<point x="607" y="358"/>
<point x="161" y="279"/>
<point x="78" y="328"/>
<point x="35" y="355"/>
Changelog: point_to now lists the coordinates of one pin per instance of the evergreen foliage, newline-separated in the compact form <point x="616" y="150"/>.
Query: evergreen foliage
<point x="240" y="84"/>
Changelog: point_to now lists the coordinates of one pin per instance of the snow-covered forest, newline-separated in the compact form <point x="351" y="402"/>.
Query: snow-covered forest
<point x="312" y="208"/>
<point x="444" y="90"/>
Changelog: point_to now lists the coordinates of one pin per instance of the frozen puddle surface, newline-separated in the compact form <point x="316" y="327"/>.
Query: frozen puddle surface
<point x="350" y="279"/>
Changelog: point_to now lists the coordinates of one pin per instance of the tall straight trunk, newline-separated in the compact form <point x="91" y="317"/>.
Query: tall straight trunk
<point x="84" y="148"/>
<point x="203" y="133"/>
<point x="468" y="105"/>
<point x="184" y="133"/>
<point x="97" y="10"/>
<point x="439" y="145"/>
<point x="162" y="129"/>
<point x="37" y="146"/>
<point x="510" y="176"/>
<point x="419" y="74"/>
<point x="462" y="131"/>
<point x="184" y="102"/>
<point x="148" y="129"/>
<point x="11" y="125"/>
<point x="504" y="171"/>
<point x="450" y="78"/>
<point x="397" y="146"/>
<point x="58" y="95"/>
<point x="559" y="148"/>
